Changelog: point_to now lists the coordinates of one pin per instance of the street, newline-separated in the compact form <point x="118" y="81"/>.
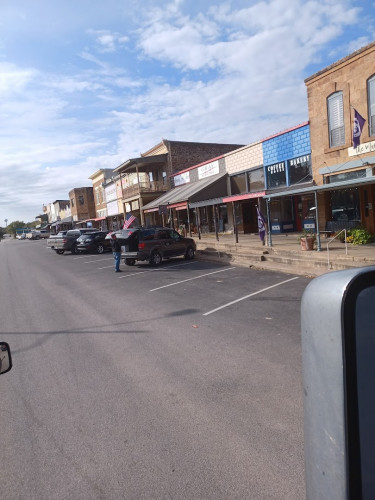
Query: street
<point x="182" y="381"/>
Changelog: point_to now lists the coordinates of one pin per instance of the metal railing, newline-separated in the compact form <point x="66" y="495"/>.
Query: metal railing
<point x="332" y="239"/>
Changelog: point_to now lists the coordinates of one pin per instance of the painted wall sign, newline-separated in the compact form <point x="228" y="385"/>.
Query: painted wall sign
<point x="367" y="147"/>
<point x="208" y="169"/>
<point x="181" y="179"/>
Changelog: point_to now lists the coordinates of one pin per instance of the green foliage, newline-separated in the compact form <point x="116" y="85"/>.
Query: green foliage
<point x="11" y="228"/>
<point x="307" y="233"/>
<point x="359" y="236"/>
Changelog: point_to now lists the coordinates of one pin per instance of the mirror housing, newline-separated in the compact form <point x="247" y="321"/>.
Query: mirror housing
<point x="338" y="353"/>
<point x="5" y="358"/>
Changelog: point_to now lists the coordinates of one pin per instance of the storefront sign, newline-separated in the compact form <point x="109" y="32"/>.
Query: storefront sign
<point x="276" y="168"/>
<point x="300" y="161"/>
<point x="180" y="179"/>
<point x="112" y="208"/>
<point x="367" y="147"/>
<point x="208" y="169"/>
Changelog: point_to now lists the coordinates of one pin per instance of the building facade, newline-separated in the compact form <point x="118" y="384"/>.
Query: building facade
<point x="82" y="204"/>
<point x="344" y="175"/>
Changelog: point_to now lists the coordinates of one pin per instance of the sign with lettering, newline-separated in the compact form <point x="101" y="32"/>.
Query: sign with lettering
<point x="367" y="147"/>
<point x="209" y="169"/>
<point x="181" y="179"/>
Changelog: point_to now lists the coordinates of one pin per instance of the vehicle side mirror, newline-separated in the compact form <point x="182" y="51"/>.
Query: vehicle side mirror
<point x="5" y="358"/>
<point x="338" y="350"/>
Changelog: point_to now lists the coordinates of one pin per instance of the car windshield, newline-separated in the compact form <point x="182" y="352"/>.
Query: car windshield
<point x="86" y="236"/>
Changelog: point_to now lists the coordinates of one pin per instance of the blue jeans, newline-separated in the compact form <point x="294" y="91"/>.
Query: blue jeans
<point x="117" y="257"/>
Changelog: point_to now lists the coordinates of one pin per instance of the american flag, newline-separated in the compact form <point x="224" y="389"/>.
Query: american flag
<point x="129" y="218"/>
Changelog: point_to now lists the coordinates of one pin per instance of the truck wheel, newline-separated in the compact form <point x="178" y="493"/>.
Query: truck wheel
<point x="130" y="262"/>
<point x="189" y="253"/>
<point x="59" y="252"/>
<point x="155" y="259"/>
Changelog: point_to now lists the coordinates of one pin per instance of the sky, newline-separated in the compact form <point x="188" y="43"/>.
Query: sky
<point x="88" y="84"/>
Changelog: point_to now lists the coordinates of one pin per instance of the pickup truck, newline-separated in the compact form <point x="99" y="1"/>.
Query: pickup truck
<point x="36" y="235"/>
<point x="66" y="240"/>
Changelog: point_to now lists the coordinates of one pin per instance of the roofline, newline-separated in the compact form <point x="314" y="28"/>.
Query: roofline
<point x="98" y="172"/>
<point x="285" y="131"/>
<point x="340" y="62"/>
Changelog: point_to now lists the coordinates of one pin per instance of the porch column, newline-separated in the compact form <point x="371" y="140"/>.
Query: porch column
<point x="235" y="229"/>
<point x="318" y="242"/>
<point x="188" y="219"/>
<point x="215" y="222"/>
<point x="141" y="214"/>
<point x="269" y="243"/>
<point x="199" y="223"/>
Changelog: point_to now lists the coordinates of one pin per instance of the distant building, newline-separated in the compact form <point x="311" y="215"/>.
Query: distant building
<point x="82" y="204"/>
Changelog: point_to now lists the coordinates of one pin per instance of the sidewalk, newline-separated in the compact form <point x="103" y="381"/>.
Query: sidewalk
<point x="285" y="254"/>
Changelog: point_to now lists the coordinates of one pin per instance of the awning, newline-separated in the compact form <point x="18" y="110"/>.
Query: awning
<point x="357" y="162"/>
<point x="185" y="193"/>
<point x="245" y="196"/>
<point x="324" y="187"/>
<point x="65" y="220"/>
<point x="206" y="203"/>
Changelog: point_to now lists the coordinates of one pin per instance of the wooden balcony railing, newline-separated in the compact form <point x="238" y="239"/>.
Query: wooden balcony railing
<point x="145" y="187"/>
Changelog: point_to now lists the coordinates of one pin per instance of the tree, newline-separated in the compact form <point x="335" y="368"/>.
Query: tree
<point x="13" y="226"/>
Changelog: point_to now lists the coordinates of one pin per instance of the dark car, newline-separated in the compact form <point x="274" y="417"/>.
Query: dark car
<point x="94" y="242"/>
<point x="61" y="244"/>
<point x="154" y="244"/>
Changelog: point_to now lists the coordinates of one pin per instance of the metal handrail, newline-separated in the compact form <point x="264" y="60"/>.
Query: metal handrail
<point x="330" y="241"/>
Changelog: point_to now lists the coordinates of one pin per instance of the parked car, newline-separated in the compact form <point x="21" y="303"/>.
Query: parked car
<point x="62" y="243"/>
<point x="37" y="234"/>
<point x="154" y="245"/>
<point x="93" y="242"/>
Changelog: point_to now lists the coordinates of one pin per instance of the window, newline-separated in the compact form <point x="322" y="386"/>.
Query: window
<point x="300" y="170"/>
<point x="371" y="104"/>
<point x="345" y="205"/>
<point x="336" y="120"/>
<point x="81" y="199"/>
<point x="72" y="202"/>
<point x="256" y="179"/>
<point x="238" y="184"/>
<point x="276" y="175"/>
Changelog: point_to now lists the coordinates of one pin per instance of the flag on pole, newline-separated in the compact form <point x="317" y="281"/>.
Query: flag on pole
<point x="261" y="225"/>
<point x="358" y="123"/>
<point x="129" y="218"/>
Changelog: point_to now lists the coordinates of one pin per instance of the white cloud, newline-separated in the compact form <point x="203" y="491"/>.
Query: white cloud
<point x="226" y="74"/>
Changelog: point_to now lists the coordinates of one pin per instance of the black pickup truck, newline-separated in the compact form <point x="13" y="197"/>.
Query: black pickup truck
<point x="62" y="243"/>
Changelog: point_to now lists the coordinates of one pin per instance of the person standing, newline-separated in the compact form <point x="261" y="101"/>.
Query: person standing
<point x="116" y="250"/>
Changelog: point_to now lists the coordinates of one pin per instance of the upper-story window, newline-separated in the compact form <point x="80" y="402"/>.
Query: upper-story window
<point x="336" y="120"/>
<point x="371" y="104"/>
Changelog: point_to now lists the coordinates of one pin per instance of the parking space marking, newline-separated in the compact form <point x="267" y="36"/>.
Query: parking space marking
<point x="157" y="269"/>
<point x="191" y="279"/>
<point x="250" y="295"/>
<point x="97" y="260"/>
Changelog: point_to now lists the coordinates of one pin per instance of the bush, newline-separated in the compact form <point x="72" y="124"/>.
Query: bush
<point x="359" y="236"/>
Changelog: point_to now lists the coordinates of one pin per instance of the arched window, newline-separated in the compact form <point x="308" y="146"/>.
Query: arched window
<point x="336" y="126"/>
<point x="371" y="104"/>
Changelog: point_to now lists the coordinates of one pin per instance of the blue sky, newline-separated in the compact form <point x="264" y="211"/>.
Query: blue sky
<point x="88" y="84"/>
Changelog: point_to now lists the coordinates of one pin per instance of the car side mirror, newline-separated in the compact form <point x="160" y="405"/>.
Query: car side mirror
<point x="338" y="351"/>
<point x="5" y="358"/>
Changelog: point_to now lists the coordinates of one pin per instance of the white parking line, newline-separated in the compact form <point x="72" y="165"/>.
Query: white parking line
<point x="247" y="296"/>
<point x="97" y="260"/>
<point x="190" y="279"/>
<point x="157" y="269"/>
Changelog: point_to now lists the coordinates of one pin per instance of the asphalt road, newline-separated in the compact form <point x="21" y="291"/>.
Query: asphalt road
<point x="178" y="382"/>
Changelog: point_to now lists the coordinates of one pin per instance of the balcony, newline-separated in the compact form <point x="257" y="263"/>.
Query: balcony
<point x="145" y="187"/>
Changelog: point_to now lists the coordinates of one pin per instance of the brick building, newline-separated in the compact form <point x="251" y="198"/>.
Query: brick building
<point x="82" y="204"/>
<point x="146" y="178"/>
<point x="99" y="180"/>
<point x="344" y="176"/>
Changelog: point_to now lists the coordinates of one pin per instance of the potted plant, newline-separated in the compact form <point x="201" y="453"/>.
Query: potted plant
<point x="307" y="240"/>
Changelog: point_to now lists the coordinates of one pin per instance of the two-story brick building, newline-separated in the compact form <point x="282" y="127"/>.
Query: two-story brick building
<point x="82" y="204"/>
<point x="344" y="176"/>
<point x="146" y="178"/>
